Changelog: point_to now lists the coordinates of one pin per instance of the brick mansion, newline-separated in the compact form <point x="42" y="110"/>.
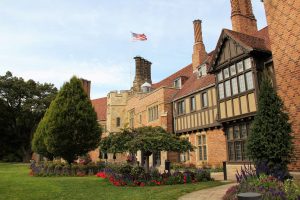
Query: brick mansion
<point x="213" y="100"/>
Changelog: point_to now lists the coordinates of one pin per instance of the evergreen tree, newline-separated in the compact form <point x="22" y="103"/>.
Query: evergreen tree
<point x="38" y="140"/>
<point x="69" y="128"/>
<point x="270" y="142"/>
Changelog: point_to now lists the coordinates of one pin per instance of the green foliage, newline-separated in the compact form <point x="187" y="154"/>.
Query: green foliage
<point x="38" y="141"/>
<point x="270" y="140"/>
<point x="69" y="128"/>
<point x="147" y="139"/>
<point x="22" y="105"/>
<point x="155" y="139"/>
<point x="57" y="168"/>
<point x="269" y="187"/>
<point x="137" y="172"/>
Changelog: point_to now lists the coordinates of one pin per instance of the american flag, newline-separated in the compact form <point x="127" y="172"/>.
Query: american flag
<point x="140" y="37"/>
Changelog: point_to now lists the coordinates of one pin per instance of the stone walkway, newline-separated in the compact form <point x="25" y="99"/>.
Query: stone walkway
<point x="215" y="193"/>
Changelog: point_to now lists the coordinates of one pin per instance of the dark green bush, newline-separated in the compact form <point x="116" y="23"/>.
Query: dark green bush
<point x="138" y="172"/>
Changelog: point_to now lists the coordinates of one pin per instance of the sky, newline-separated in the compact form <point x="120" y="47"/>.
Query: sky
<point x="52" y="40"/>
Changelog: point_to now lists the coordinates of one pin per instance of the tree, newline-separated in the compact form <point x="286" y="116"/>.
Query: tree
<point x="38" y="140"/>
<point x="146" y="139"/>
<point x="69" y="128"/>
<point x="270" y="142"/>
<point x="22" y="105"/>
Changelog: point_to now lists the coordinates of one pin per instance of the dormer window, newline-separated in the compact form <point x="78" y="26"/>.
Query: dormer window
<point x="177" y="83"/>
<point x="202" y="70"/>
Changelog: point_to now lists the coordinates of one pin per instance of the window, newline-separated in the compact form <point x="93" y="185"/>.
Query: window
<point x="202" y="70"/>
<point x="204" y="99"/>
<point x="118" y="120"/>
<point x="236" y="132"/>
<point x="247" y="63"/>
<point x="242" y="83"/>
<point x="185" y="156"/>
<point x="234" y="86"/>
<point x="221" y="91"/>
<point x="131" y="119"/>
<point x="238" y="79"/>
<point x="193" y="103"/>
<point x="181" y="107"/>
<point x="227" y="88"/>
<point x="243" y="131"/>
<point x="220" y="76"/>
<point x="240" y="67"/>
<point x="177" y="83"/>
<point x="226" y="73"/>
<point x="202" y="147"/>
<point x="249" y="80"/>
<point x="156" y="159"/>
<point x="236" y="141"/>
<point x="152" y="113"/>
<point x="232" y="70"/>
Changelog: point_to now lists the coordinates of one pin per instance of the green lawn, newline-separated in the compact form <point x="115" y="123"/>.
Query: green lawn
<point x="15" y="183"/>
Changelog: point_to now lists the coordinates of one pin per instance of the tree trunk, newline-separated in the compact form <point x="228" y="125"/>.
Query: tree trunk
<point x="147" y="164"/>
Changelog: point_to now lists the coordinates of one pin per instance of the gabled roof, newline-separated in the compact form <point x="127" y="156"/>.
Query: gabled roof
<point x="257" y="42"/>
<point x="169" y="81"/>
<point x="100" y="106"/>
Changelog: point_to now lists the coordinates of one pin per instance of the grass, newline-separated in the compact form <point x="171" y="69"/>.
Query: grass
<point x="15" y="183"/>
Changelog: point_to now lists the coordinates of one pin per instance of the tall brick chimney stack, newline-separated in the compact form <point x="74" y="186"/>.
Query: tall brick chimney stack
<point x="138" y="74"/>
<point x="86" y="86"/>
<point x="199" y="52"/>
<point x="242" y="17"/>
<point x="148" y="71"/>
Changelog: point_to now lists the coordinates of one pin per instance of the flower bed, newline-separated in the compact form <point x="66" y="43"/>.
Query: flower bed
<point x="127" y="175"/>
<point x="270" y="187"/>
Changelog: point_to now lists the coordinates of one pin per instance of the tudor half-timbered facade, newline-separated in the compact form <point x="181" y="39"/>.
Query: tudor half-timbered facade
<point x="238" y="64"/>
<point x="195" y="111"/>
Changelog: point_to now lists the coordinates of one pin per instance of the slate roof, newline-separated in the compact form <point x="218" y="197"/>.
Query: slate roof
<point x="259" y="41"/>
<point x="169" y="81"/>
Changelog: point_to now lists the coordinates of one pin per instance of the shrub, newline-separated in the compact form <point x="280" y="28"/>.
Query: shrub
<point x="269" y="186"/>
<point x="202" y="175"/>
<point x="118" y="176"/>
<point x="138" y="172"/>
<point x="270" y="144"/>
<point x="125" y="169"/>
<point x="64" y="169"/>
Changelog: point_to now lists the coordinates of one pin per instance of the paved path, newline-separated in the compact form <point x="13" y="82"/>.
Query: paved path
<point x="215" y="193"/>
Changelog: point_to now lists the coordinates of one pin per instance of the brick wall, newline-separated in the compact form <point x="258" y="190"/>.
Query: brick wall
<point x="216" y="147"/>
<point x="284" y="30"/>
<point x="141" y="102"/>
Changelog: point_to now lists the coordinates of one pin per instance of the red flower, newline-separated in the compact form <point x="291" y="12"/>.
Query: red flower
<point x="142" y="184"/>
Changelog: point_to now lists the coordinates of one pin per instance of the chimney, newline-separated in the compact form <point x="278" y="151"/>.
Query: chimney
<point x="242" y="17"/>
<point x="86" y="86"/>
<point x="148" y="71"/>
<point x="138" y="74"/>
<point x="143" y="70"/>
<point x="199" y="52"/>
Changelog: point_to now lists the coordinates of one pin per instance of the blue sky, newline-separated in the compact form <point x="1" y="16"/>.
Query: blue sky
<point x="51" y="40"/>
